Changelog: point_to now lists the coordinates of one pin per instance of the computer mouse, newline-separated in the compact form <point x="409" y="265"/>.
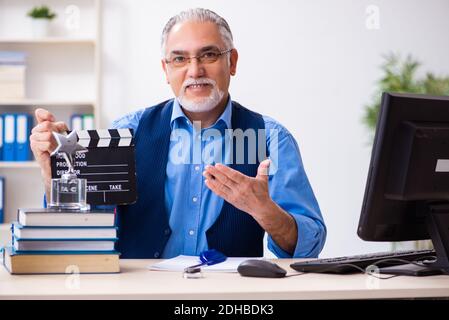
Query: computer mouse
<point x="260" y="268"/>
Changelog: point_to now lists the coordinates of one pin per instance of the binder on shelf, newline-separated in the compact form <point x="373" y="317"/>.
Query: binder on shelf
<point x="24" y="124"/>
<point x="2" y="199"/>
<point x="1" y="137"/>
<point x="9" y="137"/>
<point x="76" y="122"/>
<point x="88" y="122"/>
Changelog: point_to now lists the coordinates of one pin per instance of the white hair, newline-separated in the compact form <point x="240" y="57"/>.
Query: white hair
<point x="200" y="15"/>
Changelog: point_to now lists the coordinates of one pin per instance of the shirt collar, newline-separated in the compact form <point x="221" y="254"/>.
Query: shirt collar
<point x="224" y="117"/>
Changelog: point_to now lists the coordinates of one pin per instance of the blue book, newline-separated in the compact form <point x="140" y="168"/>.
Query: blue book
<point x="12" y="57"/>
<point x="24" y="232"/>
<point x="9" y="137"/>
<point x="2" y="199"/>
<point x="24" y="124"/>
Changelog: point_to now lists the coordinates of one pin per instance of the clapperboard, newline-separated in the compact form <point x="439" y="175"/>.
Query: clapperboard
<point x="108" y="166"/>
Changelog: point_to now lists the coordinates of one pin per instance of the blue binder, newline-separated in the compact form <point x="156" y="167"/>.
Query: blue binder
<point x="24" y="124"/>
<point x="2" y="199"/>
<point x="76" y="122"/>
<point x="9" y="137"/>
<point x="1" y="137"/>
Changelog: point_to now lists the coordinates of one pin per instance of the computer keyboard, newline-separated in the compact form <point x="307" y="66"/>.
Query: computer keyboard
<point x="340" y="264"/>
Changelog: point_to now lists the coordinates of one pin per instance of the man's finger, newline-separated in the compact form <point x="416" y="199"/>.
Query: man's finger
<point x="44" y="115"/>
<point x="219" y="188"/>
<point x="224" y="179"/>
<point x="263" y="170"/>
<point x="42" y="146"/>
<point x="232" y="174"/>
<point x="61" y="126"/>
<point x="50" y="126"/>
<point x="42" y="136"/>
<point x="43" y="127"/>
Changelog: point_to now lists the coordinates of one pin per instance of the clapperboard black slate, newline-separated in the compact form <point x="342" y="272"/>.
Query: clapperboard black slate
<point x="109" y="166"/>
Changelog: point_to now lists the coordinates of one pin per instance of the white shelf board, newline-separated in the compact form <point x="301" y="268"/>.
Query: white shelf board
<point x="40" y="102"/>
<point x="50" y="40"/>
<point x="18" y="164"/>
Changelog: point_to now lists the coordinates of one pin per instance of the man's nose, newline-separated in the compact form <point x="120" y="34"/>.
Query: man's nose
<point x="195" y="69"/>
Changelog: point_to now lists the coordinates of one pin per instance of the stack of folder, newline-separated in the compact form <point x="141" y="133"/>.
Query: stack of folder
<point x="12" y="75"/>
<point x="80" y="122"/>
<point x="47" y="241"/>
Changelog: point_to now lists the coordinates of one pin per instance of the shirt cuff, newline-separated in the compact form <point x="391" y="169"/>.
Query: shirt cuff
<point x="310" y="241"/>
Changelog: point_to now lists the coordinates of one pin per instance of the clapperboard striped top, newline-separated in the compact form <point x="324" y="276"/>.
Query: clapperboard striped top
<point x="108" y="166"/>
<point x="105" y="138"/>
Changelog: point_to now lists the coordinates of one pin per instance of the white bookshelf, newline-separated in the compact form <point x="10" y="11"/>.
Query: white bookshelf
<point x="63" y="75"/>
<point x="43" y="102"/>
<point x="48" y="40"/>
<point x="18" y="164"/>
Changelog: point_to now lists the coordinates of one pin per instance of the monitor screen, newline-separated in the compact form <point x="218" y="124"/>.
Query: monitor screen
<point x="409" y="169"/>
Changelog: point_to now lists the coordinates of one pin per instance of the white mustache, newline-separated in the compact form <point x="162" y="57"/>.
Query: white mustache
<point x="190" y="82"/>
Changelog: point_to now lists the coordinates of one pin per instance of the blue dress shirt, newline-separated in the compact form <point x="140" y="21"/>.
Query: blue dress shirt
<point x="193" y="208"/>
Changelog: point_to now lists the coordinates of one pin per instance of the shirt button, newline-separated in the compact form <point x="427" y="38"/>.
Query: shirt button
<point x="191" y="232"/>
<point x="194" y="199"/>
<point x="156" y="254"/>
<point x="197" y="168"/>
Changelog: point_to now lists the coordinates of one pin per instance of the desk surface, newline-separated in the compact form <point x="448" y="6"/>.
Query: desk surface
<point x="136" y="282"/>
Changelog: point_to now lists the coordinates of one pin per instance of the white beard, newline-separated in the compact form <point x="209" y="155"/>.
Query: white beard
<point x="201" y="104"/>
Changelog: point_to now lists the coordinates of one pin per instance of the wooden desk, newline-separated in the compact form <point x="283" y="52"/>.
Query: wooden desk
<point x="136" y="282"/>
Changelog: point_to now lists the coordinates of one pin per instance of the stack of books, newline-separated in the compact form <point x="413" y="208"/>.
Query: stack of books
<point x="12" y="75"/>
<point x="48" y="241"/>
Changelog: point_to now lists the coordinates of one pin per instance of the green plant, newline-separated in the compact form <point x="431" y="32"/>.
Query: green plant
<point x="400" y="76"/>
<point x="42" y="12"/>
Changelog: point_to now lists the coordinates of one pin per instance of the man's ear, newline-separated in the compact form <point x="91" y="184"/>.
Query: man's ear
<point x="164" y="67"/>
<point x="233" y="61"/>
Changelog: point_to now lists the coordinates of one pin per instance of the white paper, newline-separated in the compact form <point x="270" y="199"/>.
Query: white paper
<point x="181" y="262"/>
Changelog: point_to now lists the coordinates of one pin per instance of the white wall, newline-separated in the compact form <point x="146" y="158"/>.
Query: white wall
<point x="312" y="65"/>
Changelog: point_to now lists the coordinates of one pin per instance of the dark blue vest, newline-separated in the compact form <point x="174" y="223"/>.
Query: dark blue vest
<point x="143" y="226"/>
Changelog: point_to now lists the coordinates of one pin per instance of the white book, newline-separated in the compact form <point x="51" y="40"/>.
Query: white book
<point x="63" y="245"/>
<point x="55" y="218"/>
<point x="12" y="91"/>
<point x="12" y="73"/>
<point x="23" y="233"/>
<point x="181" y="262"/>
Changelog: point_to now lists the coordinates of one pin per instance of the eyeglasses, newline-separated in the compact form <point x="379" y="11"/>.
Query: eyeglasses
<point x="206" y="57"/>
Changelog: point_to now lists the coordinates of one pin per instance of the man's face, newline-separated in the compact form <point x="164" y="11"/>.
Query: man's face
<point x="198" y="84"/>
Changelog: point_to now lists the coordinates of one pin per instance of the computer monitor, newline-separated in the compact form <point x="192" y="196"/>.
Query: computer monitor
<point x="407" y="190"/>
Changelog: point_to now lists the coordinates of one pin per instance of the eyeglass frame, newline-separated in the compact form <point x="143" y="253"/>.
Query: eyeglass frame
<point x="220" y="54"/>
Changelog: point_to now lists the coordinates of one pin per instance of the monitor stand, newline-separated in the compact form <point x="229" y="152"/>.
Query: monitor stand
<point x="411" y="270"/>
<point x="438" y="226"/>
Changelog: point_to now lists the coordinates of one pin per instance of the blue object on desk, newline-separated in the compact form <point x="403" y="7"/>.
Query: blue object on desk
<point x="212" y="256"/>
<point x="207" y="257"/>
